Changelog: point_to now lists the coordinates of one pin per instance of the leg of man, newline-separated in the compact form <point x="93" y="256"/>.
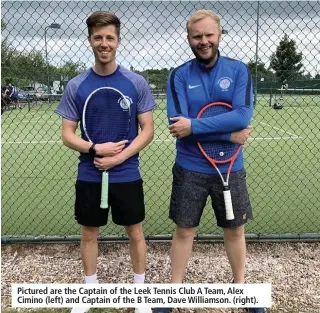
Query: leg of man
<point x="89" y="254"/>
<point x="234" y="238"/>
<point x="15" y="101"/>
<point x="89" y="249"/>
<point x="188" y="198"/>
<point x="234" y="241"/>
<point x="90" y="216"/>
<point x="181" y="249"/>
<point x="128" y="210"/>
<point x="180" y="252"/>
<point x="138" y="251"/>
<point x="137" y="248"/>
<point x="235" y="244"/>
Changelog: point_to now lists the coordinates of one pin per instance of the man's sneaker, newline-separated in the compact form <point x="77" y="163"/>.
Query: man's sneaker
<point x="80" y="310"/>
<point x="255" y="310"/>
<point x="143" y="310"/>
<point x="162" y="310"/>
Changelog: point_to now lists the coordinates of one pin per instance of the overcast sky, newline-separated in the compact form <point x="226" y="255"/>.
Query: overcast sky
<point x="153" y="32"/>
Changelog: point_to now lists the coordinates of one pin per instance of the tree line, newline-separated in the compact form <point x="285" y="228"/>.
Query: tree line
<point x="25" y="68"/>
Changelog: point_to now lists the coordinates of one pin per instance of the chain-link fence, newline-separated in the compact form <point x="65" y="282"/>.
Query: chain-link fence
<point x="44" y="45"/>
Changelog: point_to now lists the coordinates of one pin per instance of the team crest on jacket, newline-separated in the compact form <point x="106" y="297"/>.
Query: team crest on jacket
<point x="225" y="83"/>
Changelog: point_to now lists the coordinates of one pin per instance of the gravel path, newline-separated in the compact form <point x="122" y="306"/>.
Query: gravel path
<point x="292" y="268"/>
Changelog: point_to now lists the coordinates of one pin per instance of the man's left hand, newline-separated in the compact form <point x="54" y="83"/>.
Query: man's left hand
<point x="181" y="127"/>
<point x="106" y="163"/>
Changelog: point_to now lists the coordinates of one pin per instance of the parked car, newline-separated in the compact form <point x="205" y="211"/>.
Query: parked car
<point x="43" y="94"/>
<point x="35" y="94"/>
<point x="30" y="92"/>
<point x="23" y="96"/>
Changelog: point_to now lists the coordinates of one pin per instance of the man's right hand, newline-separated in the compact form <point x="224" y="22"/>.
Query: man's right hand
<point x="110" y="148"/>
<point x="241" y="136"/>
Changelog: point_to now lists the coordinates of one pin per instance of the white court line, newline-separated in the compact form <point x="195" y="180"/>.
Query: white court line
<point x="256" y="138"/>
<point x="59" y="141"/>
<point x="28" y="142"/>
<point x="30" y="121"/>
<point x="308" y="109"/>
<point x="157" y="140"/>
<point x="17" y="123"/>
<point x="277" y="128"/>
<point x="275" y="138"/>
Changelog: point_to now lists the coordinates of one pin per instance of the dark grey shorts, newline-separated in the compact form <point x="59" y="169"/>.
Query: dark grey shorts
<point x="190" y="191"/>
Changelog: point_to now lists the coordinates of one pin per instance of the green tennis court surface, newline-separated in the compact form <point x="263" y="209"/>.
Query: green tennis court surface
<point x="282" y="160"/>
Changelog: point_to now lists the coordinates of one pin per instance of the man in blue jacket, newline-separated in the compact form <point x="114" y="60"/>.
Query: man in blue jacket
<point x="208" y="78"/>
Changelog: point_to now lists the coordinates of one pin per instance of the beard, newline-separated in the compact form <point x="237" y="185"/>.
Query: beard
<point x="207" y="60"/>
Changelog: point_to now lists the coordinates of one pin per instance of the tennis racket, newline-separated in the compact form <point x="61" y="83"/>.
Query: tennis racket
<point x="106" y="118"/>
<point x="220" y="152"/>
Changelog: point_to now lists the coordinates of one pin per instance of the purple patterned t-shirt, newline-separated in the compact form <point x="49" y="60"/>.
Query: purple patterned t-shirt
<point x="134" y="87"/>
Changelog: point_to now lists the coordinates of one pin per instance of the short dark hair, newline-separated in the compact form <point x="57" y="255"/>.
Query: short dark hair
<point x="103" y="18"/>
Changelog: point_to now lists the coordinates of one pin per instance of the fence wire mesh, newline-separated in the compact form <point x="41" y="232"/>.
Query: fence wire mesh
<point x="44" y="44"/>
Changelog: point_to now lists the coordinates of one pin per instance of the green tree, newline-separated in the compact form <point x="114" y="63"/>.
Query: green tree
<point x="7" y="56"/>
<point x="20" y="68"/>
<point x="261" y="68"/>
<point x="65" y="72"/>
<point x="3" y="25"/>
<point x="31" y="66"/>
<point x="24" y="68"/>
<point x="156" y="77"/>
<point x="69" y="70"/>
<point x="286" y="61"/>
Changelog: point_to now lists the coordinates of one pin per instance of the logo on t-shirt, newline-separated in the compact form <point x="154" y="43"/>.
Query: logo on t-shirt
<point x="193" y="86"/>
<point x="125" y="103"/>
<point x="225" y="83"/>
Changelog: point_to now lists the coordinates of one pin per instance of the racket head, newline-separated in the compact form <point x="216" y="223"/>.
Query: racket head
<point x="218" y="152"/>
<point x="106" y="115"/>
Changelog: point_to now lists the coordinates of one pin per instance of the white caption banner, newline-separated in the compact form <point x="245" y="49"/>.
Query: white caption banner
<point x="141" y="295"/>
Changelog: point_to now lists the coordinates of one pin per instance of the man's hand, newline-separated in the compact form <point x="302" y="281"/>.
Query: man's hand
<point x="110" y="148"/>
<point x="106" y="163"/>
<point x="181" y="128"/>
<point x="241" y="136"/>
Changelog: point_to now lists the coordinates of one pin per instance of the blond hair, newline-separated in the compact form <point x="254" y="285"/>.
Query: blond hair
<point x="201" y="14"/>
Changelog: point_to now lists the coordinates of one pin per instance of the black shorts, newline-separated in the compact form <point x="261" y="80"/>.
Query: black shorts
<point x="190" y="191"/>
<point x="125" y="199"/>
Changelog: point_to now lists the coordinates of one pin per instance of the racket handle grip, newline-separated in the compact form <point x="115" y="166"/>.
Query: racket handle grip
<point x="104" y="190"/>
<point x="228" y="204"/>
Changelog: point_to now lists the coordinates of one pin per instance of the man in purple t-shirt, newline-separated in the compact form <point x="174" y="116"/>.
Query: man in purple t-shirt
<point x="126" y="196"/>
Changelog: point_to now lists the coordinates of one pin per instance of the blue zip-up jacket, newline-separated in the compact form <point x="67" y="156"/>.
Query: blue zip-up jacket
<point x="192" y="86"/>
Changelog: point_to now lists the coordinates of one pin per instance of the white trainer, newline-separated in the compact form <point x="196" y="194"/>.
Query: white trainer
<point x="143" y="310"/>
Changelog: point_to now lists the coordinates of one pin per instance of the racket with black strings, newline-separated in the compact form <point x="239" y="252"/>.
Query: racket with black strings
<point x="106" y="118"/>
